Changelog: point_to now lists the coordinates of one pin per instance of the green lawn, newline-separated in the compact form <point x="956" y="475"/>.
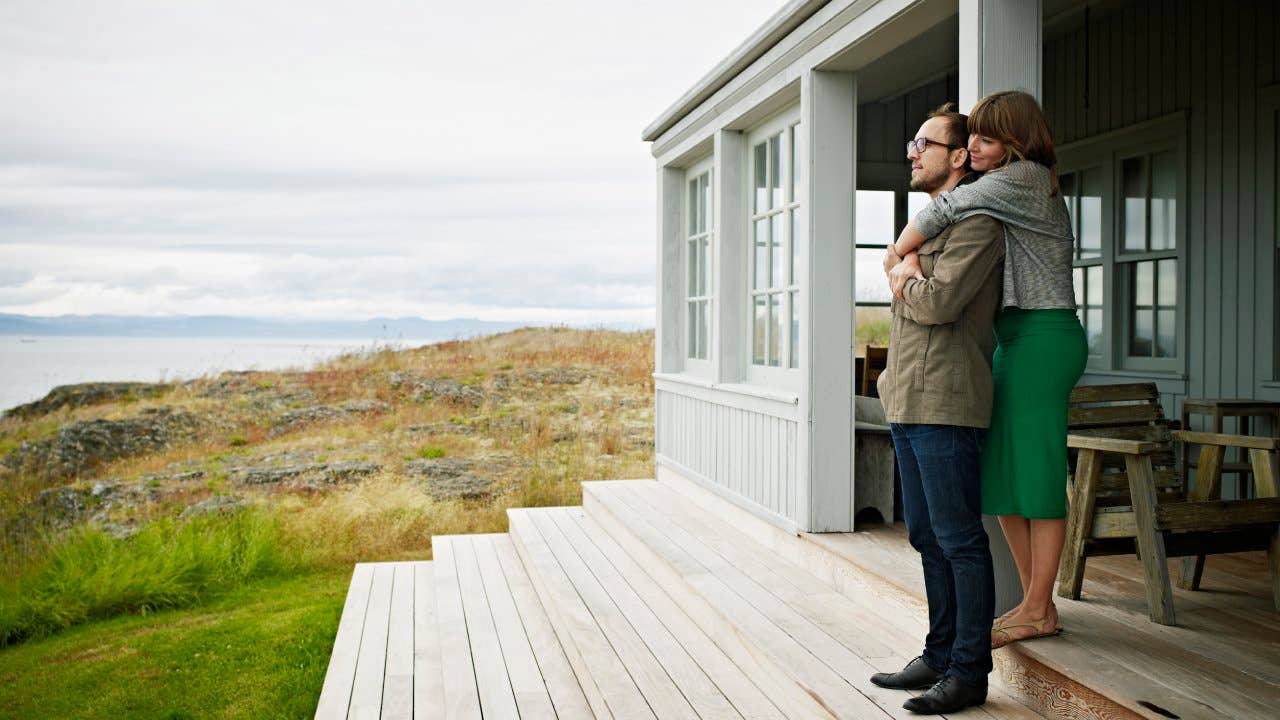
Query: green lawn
<point x="259" y="651"/>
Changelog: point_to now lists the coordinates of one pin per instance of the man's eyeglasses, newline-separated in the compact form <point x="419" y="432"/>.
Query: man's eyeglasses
<point x="921" y="143"/>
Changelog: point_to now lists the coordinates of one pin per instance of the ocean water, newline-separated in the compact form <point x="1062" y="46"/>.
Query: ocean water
<point x="31" y="366"/>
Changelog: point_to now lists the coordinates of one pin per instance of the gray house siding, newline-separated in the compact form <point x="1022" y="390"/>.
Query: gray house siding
<point x="1217" y="64"/>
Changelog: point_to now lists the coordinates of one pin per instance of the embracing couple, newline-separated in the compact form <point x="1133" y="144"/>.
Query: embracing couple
<point x="984" y="350"/>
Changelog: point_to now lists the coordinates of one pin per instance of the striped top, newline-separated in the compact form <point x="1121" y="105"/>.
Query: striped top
<point x="1039" y="245"/>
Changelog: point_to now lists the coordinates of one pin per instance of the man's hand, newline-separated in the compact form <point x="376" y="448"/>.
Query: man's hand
<point x="891" y="259"/>
<point x="906" y="269"/>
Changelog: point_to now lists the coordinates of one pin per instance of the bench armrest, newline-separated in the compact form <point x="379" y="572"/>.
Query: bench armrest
<point x="1112" y="445"/>
<point x="1236" y="441"/>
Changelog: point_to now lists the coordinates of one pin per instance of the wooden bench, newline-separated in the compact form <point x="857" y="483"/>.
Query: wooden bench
<point x="1126" y="494"/>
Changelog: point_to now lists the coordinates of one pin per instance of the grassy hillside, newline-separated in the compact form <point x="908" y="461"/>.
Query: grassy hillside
<point x="183" y="550"/>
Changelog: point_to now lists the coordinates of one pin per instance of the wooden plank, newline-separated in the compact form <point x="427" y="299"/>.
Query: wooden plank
<point x="397" y="683"/>
<point x="735" y="626"/>
<point x="1238" y="441"/>
<point x="428" y="682"/>
<point x="530" y="692"/>
<point x="672" y="682"/>
<point x="609" y="689"/>
<point x="497" y="698"/>
<point x="836" y="673"/>
<point x="1113" y="415"/>
<point x="1150" y="541"/>
<point x="335" y="694"/>
<point x="461" y="696"/>
<point x="1113" y="445"/>
<point x="562" y="685"/>
<point x="1217" y="514"/>
<point x="1120" y="392"/>
<point x="745" y="696"/>
<point x="366" y="692"/>
<point x="1266" y="470"/>
<point x="1079" y="524"/>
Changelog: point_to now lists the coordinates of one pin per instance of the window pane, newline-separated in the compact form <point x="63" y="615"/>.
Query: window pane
<point x="1143" y="333"/>
<point x="869" y="281"/>
<point x="775" y="329"/>
<point x="702" y="265"/>
<point x="870" y="327"/>
<point x="1093" y="283"/>
<point x="777" y="246"/>
<point x="1164" y="192"/>
<point x="1090" y="233"/>
<point x="1067" y="187"/>
<point x="1077" y="281"/>
<point x="916" y="202"/>
<point x="775" y="168"/>
<point x="874" y="222"/>
<point x="1166" y="333"/>
<point x="693" y="329"/>
<point x="791" y="163"/>
<point x="707" y="221"/>
<point x="1143" y="284"/>
<point x="1167" y="277"/>
<point x="795" y="233"/>
<point x="693" y="267"/>
<point x="1093" y="330"/>
<point x="795" y="330"/>
<point x="692" y="204"/>
<point x="761" y="276"/>
<point x="757" y="331"/>
<point x="1135" y="204"/>
<point x="705" y="328"/>
<point x="761" y="178"/>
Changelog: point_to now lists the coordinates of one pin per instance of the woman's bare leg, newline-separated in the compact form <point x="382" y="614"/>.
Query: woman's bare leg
<point x="1017" y="533"/>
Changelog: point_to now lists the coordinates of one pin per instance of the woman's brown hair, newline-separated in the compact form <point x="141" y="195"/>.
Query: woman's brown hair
<point x="1015" y="119"/>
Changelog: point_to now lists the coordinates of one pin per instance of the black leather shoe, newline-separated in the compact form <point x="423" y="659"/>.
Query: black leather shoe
<point x="915" y="676"/>
<point x="947" y="696"/>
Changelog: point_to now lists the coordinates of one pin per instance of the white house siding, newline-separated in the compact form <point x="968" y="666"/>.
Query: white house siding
<point x="751" y="454"/>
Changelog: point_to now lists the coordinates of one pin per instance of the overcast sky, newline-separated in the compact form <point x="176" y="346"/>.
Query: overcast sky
<point x="327" y="159"/>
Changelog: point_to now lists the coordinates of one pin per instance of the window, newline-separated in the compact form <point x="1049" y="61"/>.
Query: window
<point x="1082" y="191"/>
<point x="881" y="215"/>
<point x="773" y="289"/>
<point x="1124" y="195"/>
<point x="698" y="259"/>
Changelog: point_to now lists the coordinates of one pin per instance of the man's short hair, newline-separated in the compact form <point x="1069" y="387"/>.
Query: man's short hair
<point x="957" y="125"/>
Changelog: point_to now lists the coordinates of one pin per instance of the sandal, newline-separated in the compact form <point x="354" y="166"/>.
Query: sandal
<point x="1004" y="635"/>
<point x="1000" y="621"/>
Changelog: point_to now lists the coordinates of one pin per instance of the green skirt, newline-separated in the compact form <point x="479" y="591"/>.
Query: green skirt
<point x="1040" y="355"/>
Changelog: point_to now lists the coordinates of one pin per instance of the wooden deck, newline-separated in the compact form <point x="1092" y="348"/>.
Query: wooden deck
<point x="660" y="600"/>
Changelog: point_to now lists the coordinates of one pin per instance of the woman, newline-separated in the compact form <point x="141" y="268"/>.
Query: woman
<point x="1041" y="347"/>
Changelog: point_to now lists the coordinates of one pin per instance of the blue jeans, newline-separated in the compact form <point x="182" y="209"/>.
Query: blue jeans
<point x="942" y="504"/>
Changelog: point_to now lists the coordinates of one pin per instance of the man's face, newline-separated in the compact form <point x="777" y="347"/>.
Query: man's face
<point x="932" y="168"/>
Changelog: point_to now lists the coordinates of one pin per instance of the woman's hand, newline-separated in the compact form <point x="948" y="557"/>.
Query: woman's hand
<point x="906" y="269"/>
<point x="891" y="259"/>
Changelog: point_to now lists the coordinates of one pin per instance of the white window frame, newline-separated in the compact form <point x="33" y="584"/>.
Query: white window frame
<point x="1109" y="151"/>
<point x="703" y="367"/>
<point x="786" y="123"/>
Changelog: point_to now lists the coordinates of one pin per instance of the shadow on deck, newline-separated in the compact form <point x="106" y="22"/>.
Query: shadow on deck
<point x="659" y="599"/>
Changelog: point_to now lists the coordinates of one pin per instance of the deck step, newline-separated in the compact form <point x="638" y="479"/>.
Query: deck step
<point x="635" y="649"/>
<point x="503" y="657"/>
<point x="377" y="668"/>
<point x="811" y="648"/>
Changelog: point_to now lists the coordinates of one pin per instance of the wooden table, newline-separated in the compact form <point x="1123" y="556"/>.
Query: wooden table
<point x="1219" y="408"/>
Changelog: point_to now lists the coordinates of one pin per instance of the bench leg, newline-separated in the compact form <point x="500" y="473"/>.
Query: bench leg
<point x="1079" y="523"/>
<point x="1150" y="541"/>
<point x="1266" y="478"/>
<point x="1208" y="482"/>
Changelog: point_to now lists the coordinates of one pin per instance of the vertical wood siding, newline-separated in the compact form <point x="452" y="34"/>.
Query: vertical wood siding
<point x="1209" y="60"/>
<point x="885" y="126"/>
<point x="749" y="453"/>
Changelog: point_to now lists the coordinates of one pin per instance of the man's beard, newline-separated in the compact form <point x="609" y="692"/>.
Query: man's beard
<point x="928" y="181"/>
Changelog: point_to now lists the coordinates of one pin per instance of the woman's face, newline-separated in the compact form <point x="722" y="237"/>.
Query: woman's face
<point x="984" y="152"/>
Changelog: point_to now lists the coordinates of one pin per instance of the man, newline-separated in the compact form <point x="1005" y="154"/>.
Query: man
<point x="937" y="398"/>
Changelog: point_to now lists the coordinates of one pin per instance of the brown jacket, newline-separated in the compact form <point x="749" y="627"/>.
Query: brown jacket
<point x="940" y="345"/>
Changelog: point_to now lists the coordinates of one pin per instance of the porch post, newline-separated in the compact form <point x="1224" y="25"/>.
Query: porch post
<point x="828" y="112"/>
<point x="730" y="248"/>
<point x="669" y="341"/>
<point x="1000" y="49"/>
